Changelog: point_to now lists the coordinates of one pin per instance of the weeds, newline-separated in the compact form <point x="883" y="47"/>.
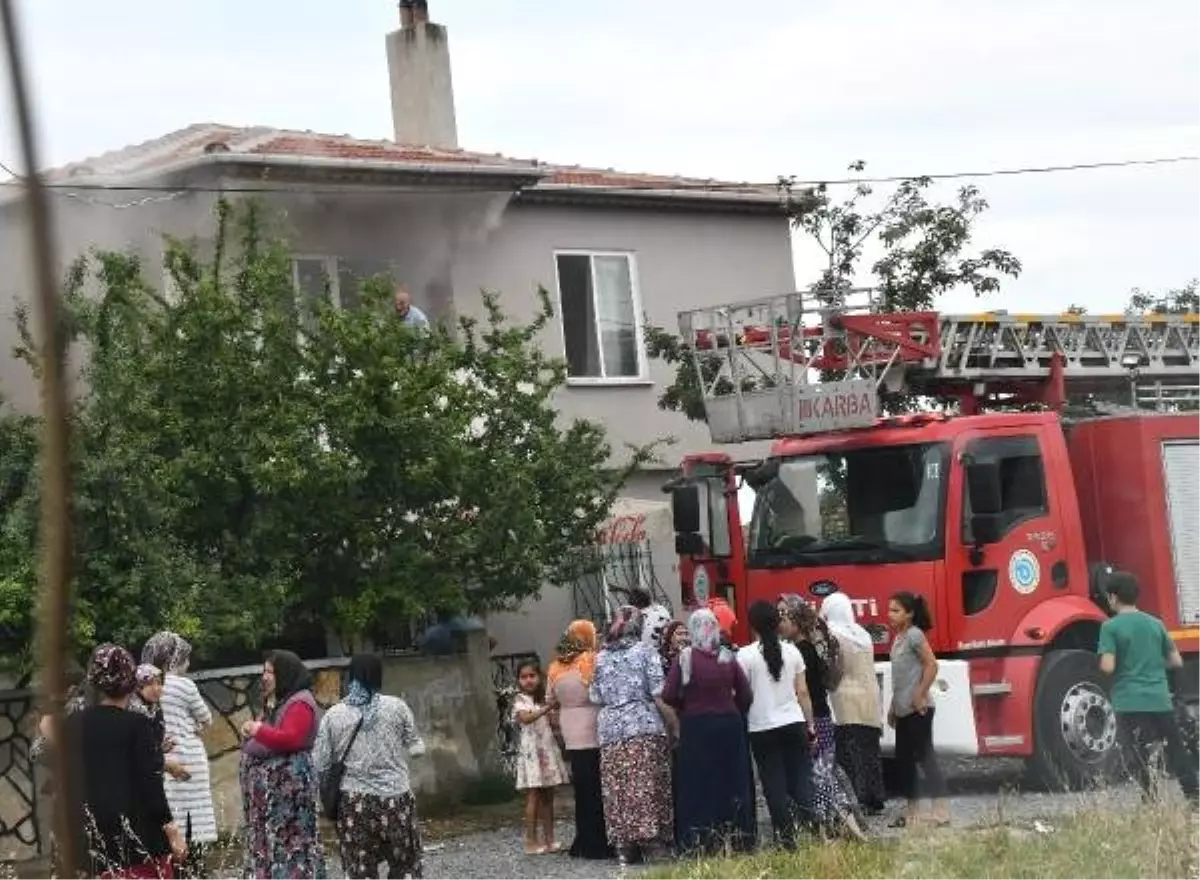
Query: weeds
<point x="1155" y="840"/>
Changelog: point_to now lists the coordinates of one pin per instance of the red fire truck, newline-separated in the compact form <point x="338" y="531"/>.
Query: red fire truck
<point x="1007" y="518"/>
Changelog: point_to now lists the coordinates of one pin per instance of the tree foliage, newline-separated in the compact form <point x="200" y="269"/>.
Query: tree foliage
<point x="240" y="462"/>
<point x="925" y="249"/>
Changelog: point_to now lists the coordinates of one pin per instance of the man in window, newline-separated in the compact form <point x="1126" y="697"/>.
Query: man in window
<point x="406" y="311"/>
<point x="1136" y="650"/>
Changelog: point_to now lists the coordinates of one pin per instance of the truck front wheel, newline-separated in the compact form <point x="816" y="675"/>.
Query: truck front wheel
<point x="1075" y="728"/>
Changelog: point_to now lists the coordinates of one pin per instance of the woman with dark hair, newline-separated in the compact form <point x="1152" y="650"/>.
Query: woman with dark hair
<point x="835" y="805"/>
<point x="123" y="819"/>
<point x="279" y="784"/>
<point x="780" y="723"/>
<point x="914" y="669"/>
<point x="635" y="764"/>
<point x="373" y="735"/>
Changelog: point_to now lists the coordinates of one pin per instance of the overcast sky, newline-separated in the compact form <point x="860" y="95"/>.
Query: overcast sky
<point x="743" y="90"/>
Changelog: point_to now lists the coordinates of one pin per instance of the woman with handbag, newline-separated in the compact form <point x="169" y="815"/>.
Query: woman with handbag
<point x="361" y="757"/>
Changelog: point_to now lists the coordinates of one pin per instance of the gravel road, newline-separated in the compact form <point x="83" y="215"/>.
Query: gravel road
<point x="982" y="792"/>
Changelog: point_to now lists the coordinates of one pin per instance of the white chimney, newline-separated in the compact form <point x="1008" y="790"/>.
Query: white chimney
<point x="419" y="68"/>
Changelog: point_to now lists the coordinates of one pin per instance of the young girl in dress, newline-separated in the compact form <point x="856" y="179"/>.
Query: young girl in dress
<point x="540" y="767"/>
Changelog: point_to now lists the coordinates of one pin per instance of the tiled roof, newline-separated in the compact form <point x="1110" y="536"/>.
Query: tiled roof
<point x="193" y="143"/>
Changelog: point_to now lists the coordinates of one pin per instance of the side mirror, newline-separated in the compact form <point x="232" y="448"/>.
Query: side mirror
<point x="685" y="508"/>
<point x="758" y="477"/>
<point x="689" y="544"/>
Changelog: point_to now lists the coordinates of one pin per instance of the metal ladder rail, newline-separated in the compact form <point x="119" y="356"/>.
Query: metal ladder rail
<point x="980" y="348"/>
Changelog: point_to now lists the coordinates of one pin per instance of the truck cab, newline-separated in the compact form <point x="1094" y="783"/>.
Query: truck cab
<point x="980" y="514"/>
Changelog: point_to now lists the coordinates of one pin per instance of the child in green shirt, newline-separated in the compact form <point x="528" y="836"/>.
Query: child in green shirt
<point x="1137" y="651"/>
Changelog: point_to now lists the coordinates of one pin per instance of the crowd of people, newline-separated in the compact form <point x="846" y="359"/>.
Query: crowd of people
<point x="661" y="729"/>
<point x="142" y="805"/>
<point x="665" y="723"/>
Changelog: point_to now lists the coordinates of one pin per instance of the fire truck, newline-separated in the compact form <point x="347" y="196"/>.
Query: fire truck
<point x="1052" y="450"/>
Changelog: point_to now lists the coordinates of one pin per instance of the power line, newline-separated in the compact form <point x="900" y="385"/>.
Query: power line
<point x="76" y="190"/>
<point x="1001" y="172"/>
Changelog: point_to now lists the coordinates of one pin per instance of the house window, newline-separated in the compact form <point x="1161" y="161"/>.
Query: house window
<point x="598" y="302"/>
<point x="338" y="278"/>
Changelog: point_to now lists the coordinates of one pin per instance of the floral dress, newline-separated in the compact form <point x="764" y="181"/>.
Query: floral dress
<point x="539" y="762"/>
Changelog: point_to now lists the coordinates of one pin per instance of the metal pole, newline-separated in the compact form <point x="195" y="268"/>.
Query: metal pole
<point x="55" y="489"/>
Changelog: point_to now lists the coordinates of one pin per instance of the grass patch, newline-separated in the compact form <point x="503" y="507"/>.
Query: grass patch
<point x="1158" y="840"/>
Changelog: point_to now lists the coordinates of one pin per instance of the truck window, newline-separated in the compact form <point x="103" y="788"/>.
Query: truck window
<point x="869" y="505"/>
<point x="1022" y="481"/>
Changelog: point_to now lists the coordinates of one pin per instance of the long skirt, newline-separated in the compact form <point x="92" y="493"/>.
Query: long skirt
<point x="635" y="777"/>
<point x="373" y="829"/>
<point x="833" y="795"/>
<point x="279" y="806"/>
<point x="858" y="754"/>
<point x="591" y="841"/>
<point x="715" y="805"/>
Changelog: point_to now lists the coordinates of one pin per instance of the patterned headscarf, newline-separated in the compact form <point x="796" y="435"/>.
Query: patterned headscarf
<point x="813" y="630"/>
<point x="168" y="651"/>
<point x="654" y="625"/>
<point x="147" y="673"/>
<point x="576" y="652"/>
<point x="705" y="633"/>
<point x="626" y="629"/>
<point x="112" y="671"/>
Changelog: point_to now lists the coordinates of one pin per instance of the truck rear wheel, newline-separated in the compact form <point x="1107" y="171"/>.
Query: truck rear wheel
<point x="1075" y="728"/>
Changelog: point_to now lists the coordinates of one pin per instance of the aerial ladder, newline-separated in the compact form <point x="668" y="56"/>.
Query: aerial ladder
<point x="807" y="362"/>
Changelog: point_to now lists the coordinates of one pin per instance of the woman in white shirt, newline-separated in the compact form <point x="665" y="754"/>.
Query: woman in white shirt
<point x="780" y="723"/>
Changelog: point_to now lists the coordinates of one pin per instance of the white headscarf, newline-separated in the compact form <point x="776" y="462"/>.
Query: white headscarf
<point x="654" y="623"/>
<point x="838" y="613"/>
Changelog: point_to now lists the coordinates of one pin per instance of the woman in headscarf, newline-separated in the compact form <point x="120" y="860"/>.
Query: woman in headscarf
<point x="373" y="735"/>
<point x="635" y="768"/>
<point x="567" y="685"/>
<point x="279" y="784"/>
<point x="856" y="704"/>
<point x="834" y="802"/>
<point x="122" y="819"/>
<point x="184" y="713"/>
<point x="714" y="802"/>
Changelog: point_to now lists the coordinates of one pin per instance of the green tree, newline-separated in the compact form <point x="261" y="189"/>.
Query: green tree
<point x="925" y="250"/>
<point x="242" y="462"/>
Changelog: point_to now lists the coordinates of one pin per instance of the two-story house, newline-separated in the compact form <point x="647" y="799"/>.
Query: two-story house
<point x="614" y="249"/>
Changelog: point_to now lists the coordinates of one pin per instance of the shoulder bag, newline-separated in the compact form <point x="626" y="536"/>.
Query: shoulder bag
<point x="331" y="781"/>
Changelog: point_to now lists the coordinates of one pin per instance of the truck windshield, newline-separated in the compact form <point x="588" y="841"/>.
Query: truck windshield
<point x="873" y="504"/>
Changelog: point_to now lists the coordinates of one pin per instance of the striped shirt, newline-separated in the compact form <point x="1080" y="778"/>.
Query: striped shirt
<point x="185" y="713"/>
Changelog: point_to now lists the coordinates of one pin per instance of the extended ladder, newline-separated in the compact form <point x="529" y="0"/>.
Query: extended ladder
<point x="761" y="363"/>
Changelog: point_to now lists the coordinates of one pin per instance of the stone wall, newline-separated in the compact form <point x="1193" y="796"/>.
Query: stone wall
<point x="452" y="698"/>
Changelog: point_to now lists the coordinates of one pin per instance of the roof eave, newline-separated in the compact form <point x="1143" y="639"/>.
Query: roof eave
<point x="699" y="199"/>
<point x="514" y="177"/>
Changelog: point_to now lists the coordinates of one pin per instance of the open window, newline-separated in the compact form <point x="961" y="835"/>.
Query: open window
<point x="1021" y="473"/>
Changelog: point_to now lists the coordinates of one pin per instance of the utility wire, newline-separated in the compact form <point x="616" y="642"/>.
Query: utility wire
<point x="75" y="190"/>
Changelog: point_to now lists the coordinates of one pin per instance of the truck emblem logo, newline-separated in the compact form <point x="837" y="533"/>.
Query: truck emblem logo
<point x="822" y="588"/>
<point x="1024" y="572"/>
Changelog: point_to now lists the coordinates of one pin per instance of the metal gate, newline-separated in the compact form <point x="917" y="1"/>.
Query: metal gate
<point x="617" y="570"/>
<point x="504" y="683"/>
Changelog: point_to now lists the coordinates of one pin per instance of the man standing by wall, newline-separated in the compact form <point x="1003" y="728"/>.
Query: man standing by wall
<point x="406" y="311"/>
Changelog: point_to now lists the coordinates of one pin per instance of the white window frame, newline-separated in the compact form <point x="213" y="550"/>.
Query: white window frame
<point x="642" y="378"/>
<point x="331" y="272"/>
